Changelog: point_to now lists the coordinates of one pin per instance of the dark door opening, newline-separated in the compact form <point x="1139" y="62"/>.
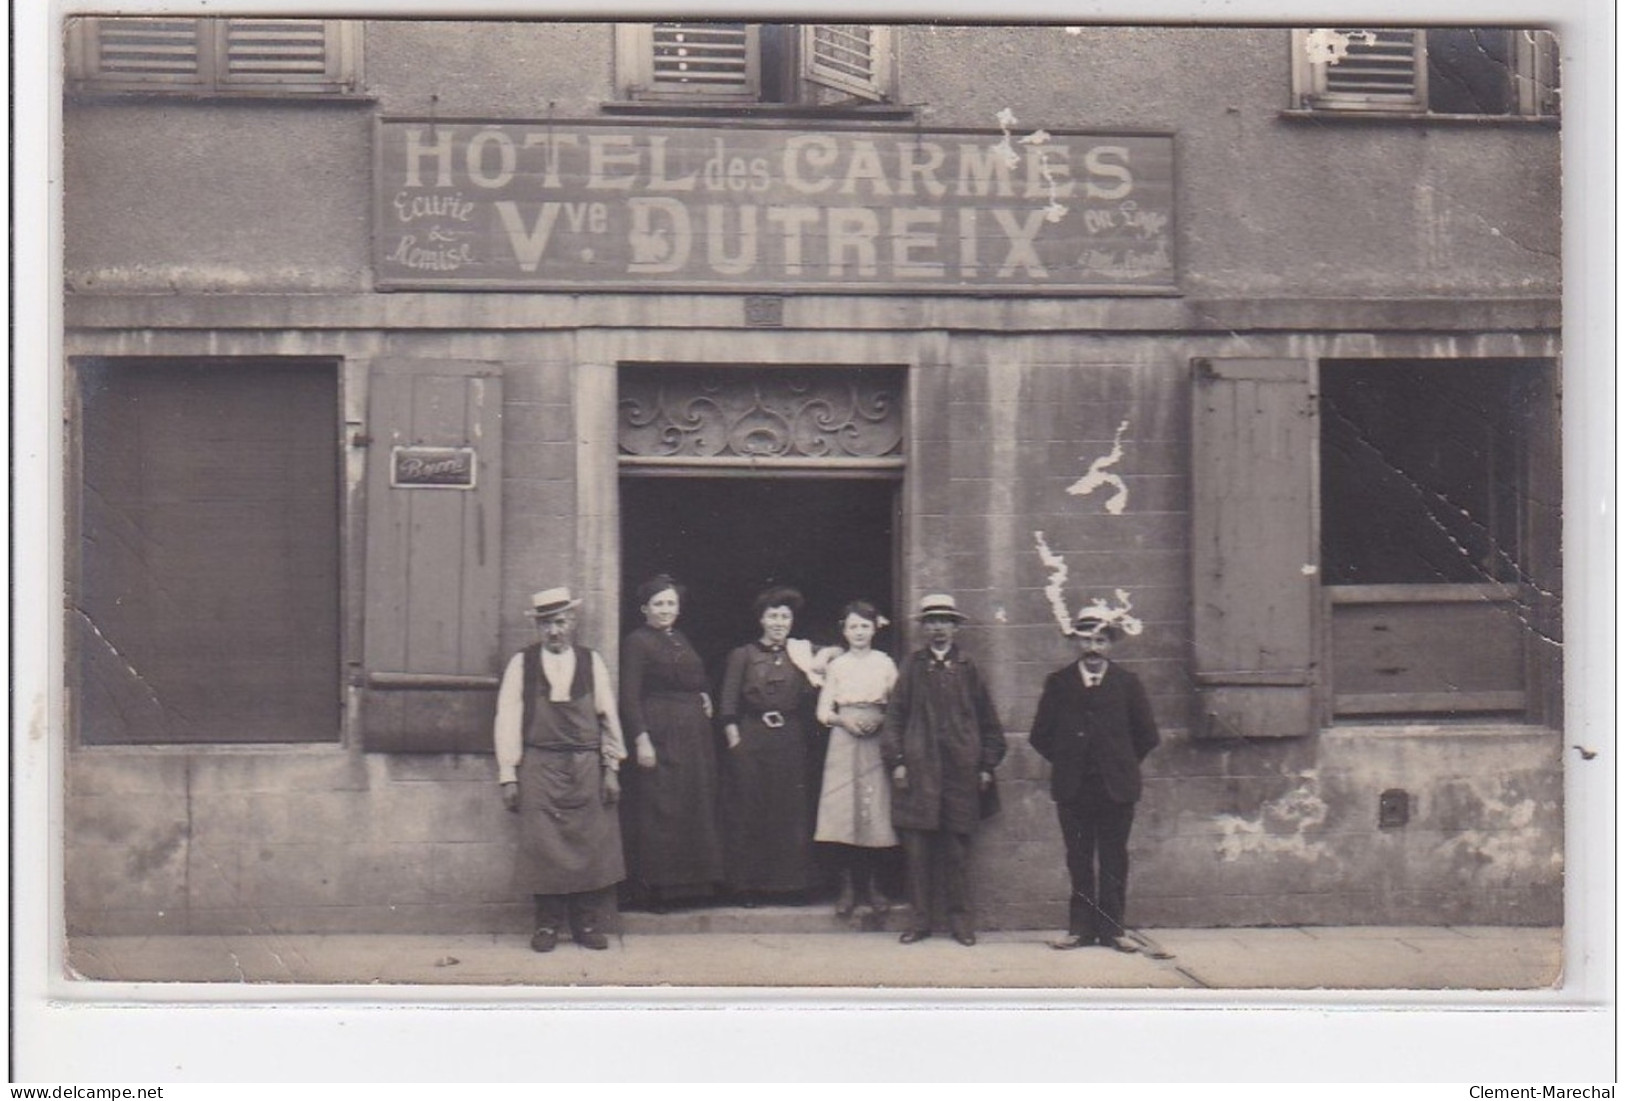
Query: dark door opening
<point x="727" y="538"/>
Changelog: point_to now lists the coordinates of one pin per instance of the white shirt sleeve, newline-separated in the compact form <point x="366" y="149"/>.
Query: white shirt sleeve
<point x="614" y="746"/>
<point x="826" y="697"/>
<point x="508" y="736"/>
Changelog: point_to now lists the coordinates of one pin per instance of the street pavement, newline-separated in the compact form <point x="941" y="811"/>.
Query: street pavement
<point x="647" y="960"/>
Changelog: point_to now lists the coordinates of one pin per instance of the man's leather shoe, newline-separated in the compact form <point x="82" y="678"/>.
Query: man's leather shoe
<point x="1071" y="941"/>
<point x="1122" y="944"/>
<point x="967" y="937"/>
<point x="544" y="940"/>
<point x="592" y="938"/>
<point x="912" y="936"/>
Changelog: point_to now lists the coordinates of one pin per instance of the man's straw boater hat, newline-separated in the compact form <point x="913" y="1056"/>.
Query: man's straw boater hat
<point x="550" y="602"/>
<point x="940" y="604"/>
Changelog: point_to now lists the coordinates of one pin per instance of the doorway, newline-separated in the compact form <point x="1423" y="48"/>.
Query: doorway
<point x="727" y="537"/>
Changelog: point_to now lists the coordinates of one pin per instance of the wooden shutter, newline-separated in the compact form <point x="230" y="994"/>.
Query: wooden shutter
<point x="1539" y="83"/>
<point x="144" y="51"/>
<point x="283" y="56"/>
<point x="1383" y="69"/>
<point x="851" y="58"/>
<point x="704" y="59"/>
<point x="433" y="558"/>
<point x="1254" y="561"/>
<point x="280" y="51"/>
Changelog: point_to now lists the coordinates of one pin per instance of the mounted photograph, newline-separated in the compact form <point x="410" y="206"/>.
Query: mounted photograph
<point x="900" y="507"/>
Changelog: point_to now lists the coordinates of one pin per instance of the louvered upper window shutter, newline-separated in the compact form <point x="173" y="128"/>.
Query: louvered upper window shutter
<point x="851" y="58"/>
<point x="1365" y="68"/>
<point x="277" y="56"/>
<point x="160" y="51"/>
<point x="274" y="51"/>
<point x="1384" y="64"/>
<point x="705" y="58"/>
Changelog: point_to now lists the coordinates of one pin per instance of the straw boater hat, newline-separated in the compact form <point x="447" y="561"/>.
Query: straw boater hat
<point x="941" y="604"/>
<point x="550" y="602"/>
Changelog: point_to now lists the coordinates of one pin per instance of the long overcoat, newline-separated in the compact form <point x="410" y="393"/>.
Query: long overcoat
<point x="1106" y="731"/>
<point x="941" y="725"/>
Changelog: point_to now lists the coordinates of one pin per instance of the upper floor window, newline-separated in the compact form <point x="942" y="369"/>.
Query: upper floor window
<point x="711" y="62"/>
<point x="214" y="56"/>
<point x="1469" y="71"/>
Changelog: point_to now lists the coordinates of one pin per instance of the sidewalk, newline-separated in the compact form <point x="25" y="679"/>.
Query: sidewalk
<point x="1293" y="958"/>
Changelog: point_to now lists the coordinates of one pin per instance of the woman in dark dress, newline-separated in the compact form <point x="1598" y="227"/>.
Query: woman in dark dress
<point x="668" y="812"/>
<point x="766" y="801"/>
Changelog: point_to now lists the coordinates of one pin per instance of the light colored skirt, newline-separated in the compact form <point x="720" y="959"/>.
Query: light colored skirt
<point x="854" y="806"/>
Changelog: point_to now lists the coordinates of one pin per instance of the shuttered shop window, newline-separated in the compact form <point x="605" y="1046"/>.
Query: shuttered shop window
<point x="287" y="56"/>
<point x="207" y="608"/>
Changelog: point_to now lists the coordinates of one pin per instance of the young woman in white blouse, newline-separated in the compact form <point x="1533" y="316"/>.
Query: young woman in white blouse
<point x="854" y="805"/>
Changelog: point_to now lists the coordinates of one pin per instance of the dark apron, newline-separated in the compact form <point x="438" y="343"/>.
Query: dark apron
<point x="569" y="840"/>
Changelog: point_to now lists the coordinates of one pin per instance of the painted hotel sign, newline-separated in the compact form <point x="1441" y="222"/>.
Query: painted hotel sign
<point x="589" y="205"/>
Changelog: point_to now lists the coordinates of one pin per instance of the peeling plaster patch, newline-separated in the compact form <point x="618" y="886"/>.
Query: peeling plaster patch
<point x="1308" y="569"/>
<point x="999" y="615"/>
<point x="1325" y="46"/>
<point x="1281" y="828"/>
<point x="1517" y="849"/>
<point x="1099" y="476"/>
<point x="143" y="860"/>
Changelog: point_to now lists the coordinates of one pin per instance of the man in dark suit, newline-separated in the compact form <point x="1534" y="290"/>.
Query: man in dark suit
<point x="941" y="741"/>
<point x="1094" y="725"/>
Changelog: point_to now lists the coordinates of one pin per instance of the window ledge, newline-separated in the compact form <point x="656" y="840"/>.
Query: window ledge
<point x="170" y="95"/>
<point x="1354" y="114"/>
<point x="331" y="748"/>
<point x="1438" y="728"/>
<point x="734" y="110"/>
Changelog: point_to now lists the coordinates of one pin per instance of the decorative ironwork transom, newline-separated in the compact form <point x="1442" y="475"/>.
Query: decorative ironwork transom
<point x="790" y="414"/>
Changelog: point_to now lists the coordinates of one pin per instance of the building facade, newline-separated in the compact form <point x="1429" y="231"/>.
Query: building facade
<point x="374" y="327"/>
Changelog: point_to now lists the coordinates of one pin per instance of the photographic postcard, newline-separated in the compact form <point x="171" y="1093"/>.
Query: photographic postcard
<point x="945" y="511"/>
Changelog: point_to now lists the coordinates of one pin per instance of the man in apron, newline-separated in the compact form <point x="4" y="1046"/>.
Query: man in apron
<point x="559" y="749"/>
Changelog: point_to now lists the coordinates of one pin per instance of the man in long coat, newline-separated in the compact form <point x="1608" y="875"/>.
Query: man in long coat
<point x="1094" y="725"/>
<point x="941" y="741"/>
<point x="559" y="750"/>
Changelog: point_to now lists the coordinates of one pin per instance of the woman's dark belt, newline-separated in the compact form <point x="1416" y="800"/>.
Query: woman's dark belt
<point x="562" y="747"/>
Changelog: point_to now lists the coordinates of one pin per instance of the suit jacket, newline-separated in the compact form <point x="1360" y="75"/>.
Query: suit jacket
<point x="1106" y="730"/>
